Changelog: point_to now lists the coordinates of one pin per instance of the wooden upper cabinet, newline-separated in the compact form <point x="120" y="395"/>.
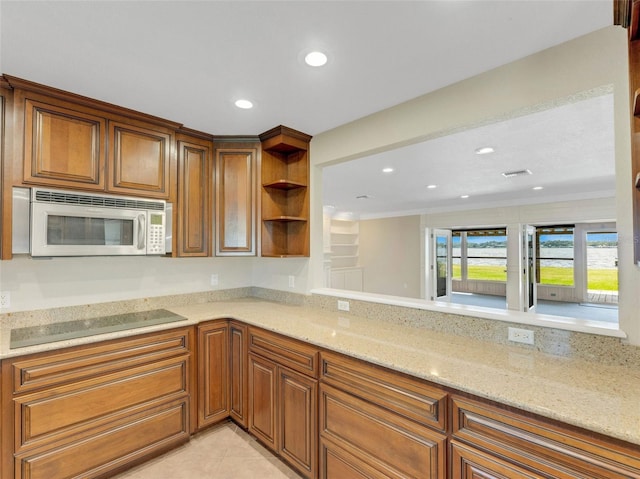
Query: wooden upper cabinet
<point x="140" y="160"/>
<point x="285" y="192"/>
<point x="66" y="140"/>
<point x="235" y="185"/>
<point x="194" y="199"/>
<point x="63" y="147"/>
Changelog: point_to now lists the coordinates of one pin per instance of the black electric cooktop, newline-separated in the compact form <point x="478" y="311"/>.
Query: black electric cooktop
<point x="48" y="333"/>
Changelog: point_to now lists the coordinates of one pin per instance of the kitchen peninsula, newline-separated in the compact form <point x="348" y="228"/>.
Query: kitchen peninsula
<point x="459" y="401"/>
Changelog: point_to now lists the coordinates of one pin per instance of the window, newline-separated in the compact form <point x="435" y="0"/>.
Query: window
<point x="555" y="265"/>
<point x="487" y="255"/>
<point x="480" y="255"/>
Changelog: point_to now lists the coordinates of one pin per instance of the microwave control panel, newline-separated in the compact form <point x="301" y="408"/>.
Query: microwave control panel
<point x="155" y="234"/>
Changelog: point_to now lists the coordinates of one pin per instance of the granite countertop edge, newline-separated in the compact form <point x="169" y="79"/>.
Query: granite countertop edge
<point x="595" y="397"/>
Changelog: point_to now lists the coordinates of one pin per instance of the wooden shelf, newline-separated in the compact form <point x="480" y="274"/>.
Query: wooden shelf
<point x="284" y="184"/>
<point x="285" y="218"/>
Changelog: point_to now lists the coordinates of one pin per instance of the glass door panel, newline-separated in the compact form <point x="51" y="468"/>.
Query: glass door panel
<point x="441" y="267"/>
<point x="529" y="265"/>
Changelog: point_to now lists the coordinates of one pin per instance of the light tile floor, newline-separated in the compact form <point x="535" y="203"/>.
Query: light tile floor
<point x="224" y="451"/>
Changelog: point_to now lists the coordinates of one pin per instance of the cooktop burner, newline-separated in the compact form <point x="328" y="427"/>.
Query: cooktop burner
<point x="48" y="333"/>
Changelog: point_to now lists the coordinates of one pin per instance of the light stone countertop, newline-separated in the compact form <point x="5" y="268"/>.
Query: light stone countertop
<point x="586" y="394"/>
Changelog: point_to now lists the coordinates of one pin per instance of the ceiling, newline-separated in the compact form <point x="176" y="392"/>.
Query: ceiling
<point x="569" y="151"/>
<point x="188" y="61"/>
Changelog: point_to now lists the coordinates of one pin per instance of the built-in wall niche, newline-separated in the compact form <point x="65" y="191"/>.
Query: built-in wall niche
<point x="346" y="272"/>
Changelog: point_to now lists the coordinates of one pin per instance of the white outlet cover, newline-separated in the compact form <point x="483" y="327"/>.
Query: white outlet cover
<point x="214" y="280"/>
<point x="5" y="299"/>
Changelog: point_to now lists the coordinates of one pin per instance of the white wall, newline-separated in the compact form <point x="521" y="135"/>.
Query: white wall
<point x="47" y="283"/>
<point x="389" y="253"/>
<point x="538" y="81"/>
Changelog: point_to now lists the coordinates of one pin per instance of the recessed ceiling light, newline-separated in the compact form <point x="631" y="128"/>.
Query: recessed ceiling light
<point x="432" y="186"/>
<point x="537" y="188"/>
<point x="387" y="170"/>
<point x="244" y="104"/>
<point x="464" y="196"/>
<point x="484" y="150"/>
<point x="315" y="59"/>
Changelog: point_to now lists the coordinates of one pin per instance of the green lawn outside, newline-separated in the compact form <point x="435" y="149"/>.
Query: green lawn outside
<point x="599" y="279"/>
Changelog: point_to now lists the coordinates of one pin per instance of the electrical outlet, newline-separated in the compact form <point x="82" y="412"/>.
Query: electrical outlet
<point x="518" y="335"/>
<point x="343" y="305"/>
<point x="292" y="281"/>
<point x="5" y="299"/>
<point x="214" y="280"/>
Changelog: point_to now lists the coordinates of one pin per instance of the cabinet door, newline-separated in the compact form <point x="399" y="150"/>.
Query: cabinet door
<point x="262" y="400"/>
<point x="213" y="370"/>
<point x="297" y="402"/>
<point x="239" y="385"/>
<point x="63" y="147"/>
<point x="194" y="203"/>
<point x="235" y="201"/>
<point x="140" y="160"/>
<point x="6" y="167"/>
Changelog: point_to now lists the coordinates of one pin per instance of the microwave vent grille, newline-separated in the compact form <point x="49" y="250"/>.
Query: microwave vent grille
<point x="99" y="201"/>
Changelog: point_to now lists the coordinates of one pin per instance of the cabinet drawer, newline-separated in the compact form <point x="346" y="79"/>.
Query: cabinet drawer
<point x="401" y="394"/>
<point x="467" y="463"/>
<point x="144" y="433"/>
<point x="74" y="364"/>
<point x="541" y="447"/>
<point x="336" y="463"/>
<point x="74" y="409"/>
<point x="387" y="442"/>
<point x="288" y="352"/>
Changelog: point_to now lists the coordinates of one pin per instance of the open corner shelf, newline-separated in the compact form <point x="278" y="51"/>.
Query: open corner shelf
<point x="285" y="193"/>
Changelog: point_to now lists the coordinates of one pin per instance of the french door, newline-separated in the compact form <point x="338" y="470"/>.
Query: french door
<point x="529" y="268"/>
<point x="441" y="265"/>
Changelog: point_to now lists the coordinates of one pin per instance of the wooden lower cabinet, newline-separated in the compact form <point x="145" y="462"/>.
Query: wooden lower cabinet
<point x="283" y="404"/>
<point x="213" y="372"/>
<point x="92" y="410"/>
<point x="490" y="439"/>
<point x="283" y="413"/>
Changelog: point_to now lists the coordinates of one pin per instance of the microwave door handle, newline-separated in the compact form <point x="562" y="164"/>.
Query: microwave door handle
<point x="142" y="231"/>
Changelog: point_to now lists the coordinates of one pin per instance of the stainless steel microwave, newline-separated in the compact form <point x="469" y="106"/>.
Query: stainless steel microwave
<point x="70" y="223"/>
